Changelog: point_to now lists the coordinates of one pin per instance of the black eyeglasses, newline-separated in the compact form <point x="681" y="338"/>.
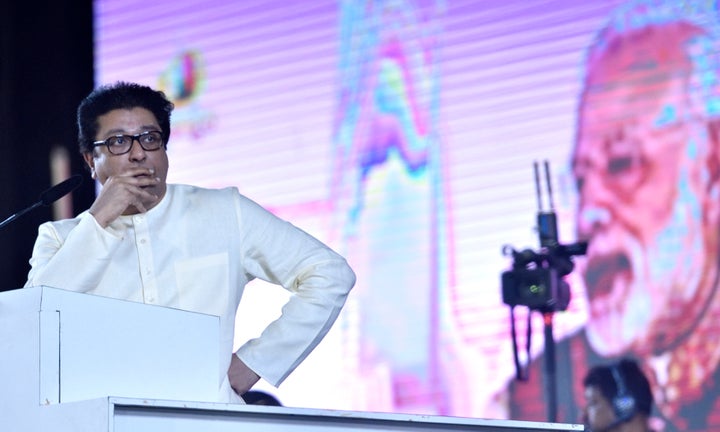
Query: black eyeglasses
<point x="121" y="144"/>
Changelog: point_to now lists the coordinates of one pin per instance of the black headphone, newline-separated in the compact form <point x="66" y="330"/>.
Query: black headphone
<point x="623" y="403"/>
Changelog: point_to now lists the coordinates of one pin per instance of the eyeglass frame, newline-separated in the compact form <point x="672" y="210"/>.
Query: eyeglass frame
<point x="132" y="139"/>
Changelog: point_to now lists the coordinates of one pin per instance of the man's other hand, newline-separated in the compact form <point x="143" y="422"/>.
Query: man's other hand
<point x="241" y="377"/>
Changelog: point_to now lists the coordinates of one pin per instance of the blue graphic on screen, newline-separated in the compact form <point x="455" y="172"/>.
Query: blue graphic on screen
<point x="388" y="182"/>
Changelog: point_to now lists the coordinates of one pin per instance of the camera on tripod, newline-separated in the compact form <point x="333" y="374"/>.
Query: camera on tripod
<point x="536" y="279"/>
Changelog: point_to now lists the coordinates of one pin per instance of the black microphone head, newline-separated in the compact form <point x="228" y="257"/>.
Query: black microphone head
<point x="60" y="190"/>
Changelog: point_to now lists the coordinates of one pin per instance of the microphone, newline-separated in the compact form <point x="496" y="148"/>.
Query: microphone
<point x="60" y="190"/>
<point x="49" y="196"/>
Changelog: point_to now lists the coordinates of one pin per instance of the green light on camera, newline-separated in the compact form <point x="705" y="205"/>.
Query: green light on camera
<point x="536" y="289"/>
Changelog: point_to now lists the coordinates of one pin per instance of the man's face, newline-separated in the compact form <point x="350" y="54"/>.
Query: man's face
<point x="133" y="121"/>
<point x="641" y="168"/>
<point x="598" y="413"/>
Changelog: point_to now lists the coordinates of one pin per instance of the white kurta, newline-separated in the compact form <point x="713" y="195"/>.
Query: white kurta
<point x="196" y="250"/>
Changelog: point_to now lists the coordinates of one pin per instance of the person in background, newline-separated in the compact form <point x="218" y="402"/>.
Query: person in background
<point x="617" y="398"/>
<point x="259" y="397"/>
<point x="183" y="246"/>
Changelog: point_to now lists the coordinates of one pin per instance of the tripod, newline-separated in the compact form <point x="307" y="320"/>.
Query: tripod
<point x="536" y="281"/>
<point x="549" y="366"/>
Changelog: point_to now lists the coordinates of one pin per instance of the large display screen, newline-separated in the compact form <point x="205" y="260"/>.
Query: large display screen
<point x="404" y="135"/>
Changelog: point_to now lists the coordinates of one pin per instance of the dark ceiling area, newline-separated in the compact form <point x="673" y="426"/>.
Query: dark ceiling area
<point x="46" y="68"/>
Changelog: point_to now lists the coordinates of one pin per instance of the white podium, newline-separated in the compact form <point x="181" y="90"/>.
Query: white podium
<point x="82" y="363"/>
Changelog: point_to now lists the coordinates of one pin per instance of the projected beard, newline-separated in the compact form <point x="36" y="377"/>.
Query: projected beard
<point x="645" y="207"/>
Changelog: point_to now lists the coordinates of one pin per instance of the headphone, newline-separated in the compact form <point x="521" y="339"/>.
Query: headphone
<point x="623" y="403"/>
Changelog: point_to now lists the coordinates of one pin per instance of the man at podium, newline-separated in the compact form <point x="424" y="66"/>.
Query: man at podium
<point x="183" y="246"/>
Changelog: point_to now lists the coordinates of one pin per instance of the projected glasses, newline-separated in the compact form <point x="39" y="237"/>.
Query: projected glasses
<point x="121" y="144"/>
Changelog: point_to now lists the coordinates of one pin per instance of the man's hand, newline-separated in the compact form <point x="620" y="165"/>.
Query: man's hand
<point x="125" y="194"/>
<point x="241" y="377"/>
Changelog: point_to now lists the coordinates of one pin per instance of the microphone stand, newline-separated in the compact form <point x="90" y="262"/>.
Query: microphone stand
<point x="20" y="213"/>
<point x="49" y="196"/>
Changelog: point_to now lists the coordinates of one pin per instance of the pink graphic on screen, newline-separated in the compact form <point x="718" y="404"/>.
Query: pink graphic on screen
<point x="388" y="186"/>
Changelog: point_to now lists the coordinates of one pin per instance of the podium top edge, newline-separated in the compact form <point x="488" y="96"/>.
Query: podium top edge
<point x="515" y="425"/>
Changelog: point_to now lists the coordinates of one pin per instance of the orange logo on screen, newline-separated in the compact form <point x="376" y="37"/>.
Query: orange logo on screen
<point x="183" y="79"/>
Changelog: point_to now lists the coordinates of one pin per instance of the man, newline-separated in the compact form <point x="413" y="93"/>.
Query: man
<point x="618" y="398"/>
<point x="647" y="168"/>
<point x="185" y="247"/>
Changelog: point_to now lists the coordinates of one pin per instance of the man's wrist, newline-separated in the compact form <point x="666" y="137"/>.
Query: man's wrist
<point x="101" y="222"/>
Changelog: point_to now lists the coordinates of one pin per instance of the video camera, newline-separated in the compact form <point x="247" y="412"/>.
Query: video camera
<point x="536" y="279"/>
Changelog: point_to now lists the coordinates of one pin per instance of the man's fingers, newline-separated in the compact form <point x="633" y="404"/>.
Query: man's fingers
<point x="140" y="207"/>
<point x="122" y="193"/>
<point x="138" y="172"/>
<point x="138" y="203"/>
<point x="147" y="181"/>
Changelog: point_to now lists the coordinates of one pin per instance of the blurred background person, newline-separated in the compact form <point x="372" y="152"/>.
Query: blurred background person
<point x="617" y="398"/>
<point x="260" y="397"/>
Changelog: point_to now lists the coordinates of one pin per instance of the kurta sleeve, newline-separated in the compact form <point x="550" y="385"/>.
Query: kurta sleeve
<point x="71" y="254"/>
<point x="318" y="278"/>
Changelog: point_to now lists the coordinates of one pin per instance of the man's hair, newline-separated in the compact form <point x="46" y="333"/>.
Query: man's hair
<point x="696" y="24"/>
<point x="121" y="95"/>
<point x="634" y="380"/>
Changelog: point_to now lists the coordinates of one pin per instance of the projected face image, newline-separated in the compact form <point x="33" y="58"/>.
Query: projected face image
<point x="642" y="175"/>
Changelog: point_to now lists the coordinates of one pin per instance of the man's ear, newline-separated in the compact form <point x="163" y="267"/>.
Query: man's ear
<point x="90" y="161"/>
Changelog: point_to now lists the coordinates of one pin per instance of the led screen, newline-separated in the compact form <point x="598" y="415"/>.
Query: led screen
<point x="404" y="134"/>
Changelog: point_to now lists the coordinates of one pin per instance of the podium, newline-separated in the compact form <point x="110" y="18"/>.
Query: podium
<point x="79" y="362"/>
